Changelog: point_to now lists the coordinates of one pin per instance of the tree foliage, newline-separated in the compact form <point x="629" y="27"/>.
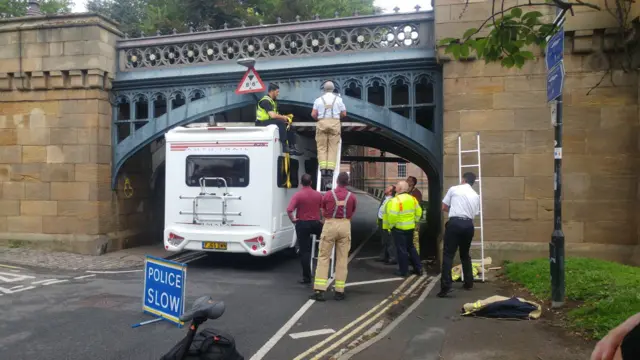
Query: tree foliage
<point x="17" y="8"/>
<point x="150" y="16"/>
<point x="512" y="31"/>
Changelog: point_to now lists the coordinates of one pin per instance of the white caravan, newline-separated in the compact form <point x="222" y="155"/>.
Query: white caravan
<point x="226" y="192"/>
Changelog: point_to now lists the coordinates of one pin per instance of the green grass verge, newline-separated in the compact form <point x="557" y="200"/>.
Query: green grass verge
<point x="608" y="292"/>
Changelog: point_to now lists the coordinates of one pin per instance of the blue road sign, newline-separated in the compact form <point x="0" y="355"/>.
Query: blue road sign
<point x="164" y="288"/>
<point x="555" y="49"/>
<point x="555" y="81"/>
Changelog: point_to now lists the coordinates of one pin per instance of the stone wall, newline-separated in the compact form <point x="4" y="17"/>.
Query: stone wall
<point x="508" y="107"/>
<point x="55" y="134"/>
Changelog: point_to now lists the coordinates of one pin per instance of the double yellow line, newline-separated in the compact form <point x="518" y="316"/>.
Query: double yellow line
<point x="381" y="308"/>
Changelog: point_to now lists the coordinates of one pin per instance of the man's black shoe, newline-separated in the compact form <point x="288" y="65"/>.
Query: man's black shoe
<point x="317" y="296"/>
<point x="381" y="260"/>
<point x="339" y="296"/>
<point x="444" y="293"/>
<point x="398" y="273"/>
<point x="467" y="286"/>
<point x="419" y="272"/>
<point x="304" y="281"/>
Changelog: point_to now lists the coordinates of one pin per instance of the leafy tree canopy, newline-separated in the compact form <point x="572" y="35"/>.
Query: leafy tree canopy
<point x="17" y="8"/>
<point x="149" y="16"/>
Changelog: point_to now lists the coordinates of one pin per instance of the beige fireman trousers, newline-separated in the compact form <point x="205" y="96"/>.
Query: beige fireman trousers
<point x="334" y="232"/>
<point x="327" y="140"/>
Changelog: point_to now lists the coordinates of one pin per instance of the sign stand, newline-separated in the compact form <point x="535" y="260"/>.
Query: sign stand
<point x="554" y="55"/>
<point x="250" y="83"/>
<point x="164" y="290"/>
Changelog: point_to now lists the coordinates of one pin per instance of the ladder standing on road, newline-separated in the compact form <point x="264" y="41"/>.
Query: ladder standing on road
<point x="463" y="204"/>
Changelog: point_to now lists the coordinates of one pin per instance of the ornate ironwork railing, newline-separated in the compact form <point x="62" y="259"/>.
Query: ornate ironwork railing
<point x="304" y="38"/>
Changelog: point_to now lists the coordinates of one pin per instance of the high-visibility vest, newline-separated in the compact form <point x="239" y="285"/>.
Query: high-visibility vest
<point x="262" y="114"/>
<point x="403" y="212"/>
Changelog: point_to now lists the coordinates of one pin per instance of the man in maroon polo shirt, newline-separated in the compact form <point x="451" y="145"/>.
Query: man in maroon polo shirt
<point x="306" y="203"/>
<point x="338" y="206"/>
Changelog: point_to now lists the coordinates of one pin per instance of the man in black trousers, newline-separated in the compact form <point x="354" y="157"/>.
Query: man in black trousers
<point x="463" y="205"/>
<point x="306" y="203"/>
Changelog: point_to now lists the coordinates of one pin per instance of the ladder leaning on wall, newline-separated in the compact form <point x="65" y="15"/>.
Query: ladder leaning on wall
<point x="461" y="168"/>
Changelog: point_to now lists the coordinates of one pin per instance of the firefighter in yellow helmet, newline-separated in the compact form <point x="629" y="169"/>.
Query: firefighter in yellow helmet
<point x="403" y="212"/>
<point x="267" y="114"/>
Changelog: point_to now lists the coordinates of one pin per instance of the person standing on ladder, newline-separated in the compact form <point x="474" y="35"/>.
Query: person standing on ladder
<point x="403" y="212"/>
<point x="413" y="191"/>
<point x="328" y="109"/>
<point x="267" y="114"/>
<point x="338" y="206"/>
<point x="306" y="203"/>
<point x="463" y="205"/>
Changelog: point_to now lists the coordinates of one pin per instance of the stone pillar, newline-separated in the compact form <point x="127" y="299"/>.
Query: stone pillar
<point x="55" y="132"/>
<point x="509" y="109"/>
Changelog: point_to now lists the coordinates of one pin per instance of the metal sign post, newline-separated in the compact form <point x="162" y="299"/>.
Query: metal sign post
<point x="555" y="81"/>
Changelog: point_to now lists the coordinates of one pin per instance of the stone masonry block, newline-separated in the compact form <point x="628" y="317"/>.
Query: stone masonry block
<point x="469" y="101"/>
<point x="78" y="120"/>
<point x="494" y="165"/>
<point x="64" y="136"/>
<point x="57" y="79"/>
<point x="5" y="82"/>
<point x="537" y="118"/>
<point x="610" y="232"/>
<point x="539" y="141"/>
<point x="598" y="210"/>
<point x="533" y="165"/>
<point x="38" y="208"/>
<point x="495" y="209"/>
<point x="519" y="99"/>
<point x="57" y="172"/>
<point x="38" y="80"/>
<point x="100" y="154"/>
<point x="605" y="165"/>
<point x="37" y="191"/>
<point x="34" y="154"/>
<point x="523" y="209"/>
<point x="13" y="190"/>
<point x="478" y="120"/>
<point x="525" y="83"/>
<point x="9" y="207"/>
<point x="95" y="78"/>
<point x="505" y="230"/>
<point x="76" y="154"/>
<point x="79" y="209"/>
<point x="70" y="191"/>
<point x="488" y="85"/>
<point x="612" y="188"/>
<point x="578" y="186"/>
<point x="614" y="116"/>
<point x="8" y="137"/>
<point x="24" y="224"/>
<point x="613" y="140"/>
<point x="574" y="141"/>
<point x="5" y="173"/>
<point x="93" y="173"/>
<point x="33" y="136"/>
<point x="538" y="187"/>
<point x="502" y="142"/>
<point x="451" y="121"/>
<point x="618" y="96"/>
<point x="26" y="172"/>
<point x="100" y="192"/>
<point x="79" y="107"/>
<point x="503" y="187"/>
<point x="56" y="49"/>
<point x="76" y="79"/>
<point x="88" y="136"/>
<point x="545" y="210"/>
<point x="55" y="154"/>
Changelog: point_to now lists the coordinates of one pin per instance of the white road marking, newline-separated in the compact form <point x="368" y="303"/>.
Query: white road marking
<point x="9" y="277"/>
<point x="84" y="276"/>
<point x="114" y="272"/>
<point x="287" y="326"/>
<point x="283" y="330"/>
<point x="9" y="291"/>
<point x="42" y="281"/>
<point x="16" y="287"/>
<point x="11" y="267"/>
<point x="373" y="281"/>
<point x="54" y="282"/>
<point x="394" y="323"/>
<point x="368" y="258"/>
<point x="306" y="334"/>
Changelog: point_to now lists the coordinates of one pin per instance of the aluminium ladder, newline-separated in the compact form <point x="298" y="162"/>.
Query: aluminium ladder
<point x="479" y="181"/>
<point x="314" y="239"/>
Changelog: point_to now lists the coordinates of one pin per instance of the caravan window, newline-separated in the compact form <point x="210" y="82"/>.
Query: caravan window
<point x="234" y="169"/>
<point x="293" y="173"/>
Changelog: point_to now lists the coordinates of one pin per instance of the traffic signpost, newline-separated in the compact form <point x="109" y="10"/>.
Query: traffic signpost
<point x="164" y="290"/>
<point x="250" y="83"/>
<point x="555" y="81"/>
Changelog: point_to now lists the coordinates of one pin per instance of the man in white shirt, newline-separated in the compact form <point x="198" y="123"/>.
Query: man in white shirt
<point x="463" y="205"/>
<point x="388" y="252"/>
<point x="328" y="109"/>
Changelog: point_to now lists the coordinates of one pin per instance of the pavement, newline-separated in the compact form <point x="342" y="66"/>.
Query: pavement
<point x="435" y="330"/>
<point x="62" y="310"/>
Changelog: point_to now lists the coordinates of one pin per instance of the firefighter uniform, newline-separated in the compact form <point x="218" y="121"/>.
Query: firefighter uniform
<point x="403" y="212"/>
<point x="328" y="130"/>
<point x="335" y="232"/>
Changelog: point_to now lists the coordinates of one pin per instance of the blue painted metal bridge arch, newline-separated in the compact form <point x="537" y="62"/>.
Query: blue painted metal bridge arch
<point x="384" y="67"/>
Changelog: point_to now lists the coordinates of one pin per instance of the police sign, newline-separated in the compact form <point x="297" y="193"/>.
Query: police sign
<point x="164" y="288"/>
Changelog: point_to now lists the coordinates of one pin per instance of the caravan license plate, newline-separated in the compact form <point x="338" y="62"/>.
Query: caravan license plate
<point x="214" y="245"/>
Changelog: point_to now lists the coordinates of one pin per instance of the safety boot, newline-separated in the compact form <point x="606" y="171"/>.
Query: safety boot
<point x="339" y="296"/>
<point x="317" y="295"/>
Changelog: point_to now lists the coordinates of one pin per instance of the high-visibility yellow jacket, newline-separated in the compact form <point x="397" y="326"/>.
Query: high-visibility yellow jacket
<point x="403" y="212"/>
<point x="262" y="114"/>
